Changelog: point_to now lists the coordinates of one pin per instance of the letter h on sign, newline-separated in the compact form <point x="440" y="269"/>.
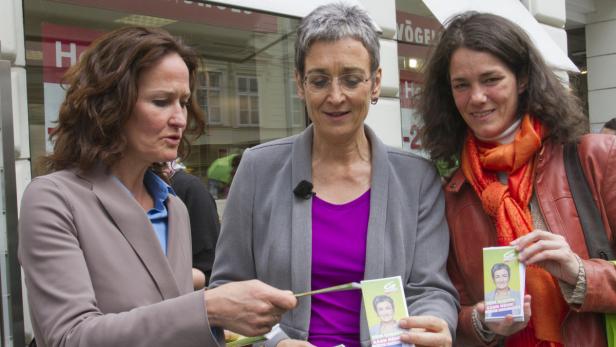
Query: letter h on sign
<point x="71" y="53"/>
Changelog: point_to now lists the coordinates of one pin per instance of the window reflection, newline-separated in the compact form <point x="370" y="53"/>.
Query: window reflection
<point x="209" y="94"/>
<point x="244" y="84"/>
<point x="417" y="30"/>
<point x="248" y="97"/>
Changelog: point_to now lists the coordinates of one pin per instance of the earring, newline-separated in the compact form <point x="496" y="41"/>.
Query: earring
<point x="374" y="101"/>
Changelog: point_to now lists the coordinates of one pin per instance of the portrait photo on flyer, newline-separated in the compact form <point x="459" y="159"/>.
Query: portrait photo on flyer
<point x="385" y="304"/>
<point x="504" y="280"/>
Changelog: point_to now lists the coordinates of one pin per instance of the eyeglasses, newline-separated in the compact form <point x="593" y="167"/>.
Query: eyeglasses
<point x="319" y="83"/>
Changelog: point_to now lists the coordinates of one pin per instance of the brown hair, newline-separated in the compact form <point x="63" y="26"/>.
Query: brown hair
<point x="610" y="124"/>
<point x="545" y="96"/>
<point x="102" y="91"/>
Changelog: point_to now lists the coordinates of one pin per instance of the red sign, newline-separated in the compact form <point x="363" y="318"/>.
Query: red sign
<point x="62" y="46"/>
<point x="411" y="80"/>
<point x="415" y="35"/>
<point x="189" y="11"/>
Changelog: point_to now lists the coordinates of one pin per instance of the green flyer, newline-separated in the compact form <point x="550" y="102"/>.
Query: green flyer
<point x="504" y="279"/>
<point x="385" y="305"/>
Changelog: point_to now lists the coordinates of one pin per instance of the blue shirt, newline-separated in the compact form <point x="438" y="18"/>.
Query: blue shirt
<point x="159" y="190"/>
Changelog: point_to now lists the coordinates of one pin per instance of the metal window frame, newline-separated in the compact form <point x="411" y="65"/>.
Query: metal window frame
<point x="12" y="332"/>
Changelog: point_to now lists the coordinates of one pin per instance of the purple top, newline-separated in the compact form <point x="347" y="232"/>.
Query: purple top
<point x="338" y="256"/>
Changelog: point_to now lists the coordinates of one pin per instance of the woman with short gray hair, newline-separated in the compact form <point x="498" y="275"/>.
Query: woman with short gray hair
<point x="335" y="205"/>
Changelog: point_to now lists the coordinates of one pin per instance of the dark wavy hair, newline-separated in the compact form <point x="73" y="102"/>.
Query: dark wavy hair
<point x="102" y="91"/>
<point x="610" y="124"/>
<point x="545" y="97"/>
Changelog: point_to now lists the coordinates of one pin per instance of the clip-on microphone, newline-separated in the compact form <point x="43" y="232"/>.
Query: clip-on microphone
<point x="304" y="190"/>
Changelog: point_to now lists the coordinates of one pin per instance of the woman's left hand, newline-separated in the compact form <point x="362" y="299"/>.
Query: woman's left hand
<point x="198" y="278"/>
<point x="425" y="331"/>
<point x="551" y="252"/>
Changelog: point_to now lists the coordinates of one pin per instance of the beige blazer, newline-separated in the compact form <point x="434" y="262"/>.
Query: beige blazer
<point x="94" y="269"/>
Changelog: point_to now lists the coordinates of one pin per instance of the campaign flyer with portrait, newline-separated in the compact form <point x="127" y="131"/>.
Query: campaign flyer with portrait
<point x="504" y="279"/>
<point x="385" y="305"/>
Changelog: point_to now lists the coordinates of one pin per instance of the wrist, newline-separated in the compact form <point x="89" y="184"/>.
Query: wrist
<point x="484" y="333"/>
<point x="577" y="271"/>
<point x="212" y="309"/>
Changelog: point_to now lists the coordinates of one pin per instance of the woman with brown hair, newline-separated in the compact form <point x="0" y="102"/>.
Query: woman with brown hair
<point x="103" y="240"/>
<point x="490" y="99"/>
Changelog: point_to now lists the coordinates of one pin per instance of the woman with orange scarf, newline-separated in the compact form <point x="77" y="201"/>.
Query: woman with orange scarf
<point x="490" y="100"/>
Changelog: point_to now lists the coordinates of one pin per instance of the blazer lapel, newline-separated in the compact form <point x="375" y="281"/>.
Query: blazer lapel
<point x="178" y="243"/>
<point x="301" y="229"/>
<point x="134" y="224"/>
<point x="379" y="188"/>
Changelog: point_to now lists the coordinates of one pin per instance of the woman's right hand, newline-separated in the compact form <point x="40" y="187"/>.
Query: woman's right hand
<point x="294" y="343"/>
<point x="506" y="326"/>
<point x="250" y="308"/>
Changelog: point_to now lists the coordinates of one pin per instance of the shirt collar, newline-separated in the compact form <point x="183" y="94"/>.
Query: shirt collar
<point x="158" y="189"/>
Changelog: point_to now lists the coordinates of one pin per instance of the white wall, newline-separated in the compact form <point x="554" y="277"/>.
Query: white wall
<point x="384" y="117"/>
<point x="601" y="61"/>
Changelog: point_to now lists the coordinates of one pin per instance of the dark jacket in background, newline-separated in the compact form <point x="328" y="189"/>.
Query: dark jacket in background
<point x="204" y="221"/>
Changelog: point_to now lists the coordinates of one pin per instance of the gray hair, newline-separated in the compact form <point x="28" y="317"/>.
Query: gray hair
<point x="335" y="22"/>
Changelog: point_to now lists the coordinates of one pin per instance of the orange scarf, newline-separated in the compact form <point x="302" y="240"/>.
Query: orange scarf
<point x="508" y="205"/>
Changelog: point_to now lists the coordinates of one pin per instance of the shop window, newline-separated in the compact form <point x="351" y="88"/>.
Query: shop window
<point x="247" y="56"/>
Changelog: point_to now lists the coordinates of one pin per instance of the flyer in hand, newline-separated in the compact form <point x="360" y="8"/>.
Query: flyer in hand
<point x="385" y="305"/>
<point x="504" y="278"/>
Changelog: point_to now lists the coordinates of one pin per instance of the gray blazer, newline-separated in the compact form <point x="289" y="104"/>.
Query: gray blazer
<point x="95" y="272"/>
<point x="267" y="233"/>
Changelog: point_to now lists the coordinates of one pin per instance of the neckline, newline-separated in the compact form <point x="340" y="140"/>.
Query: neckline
<point x="505" y="137"/>
<point x="365" y="196"/>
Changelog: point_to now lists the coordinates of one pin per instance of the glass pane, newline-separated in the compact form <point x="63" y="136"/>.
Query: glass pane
<point x="243" y="102"/>
<point x="228" y="40"/>
<point x="214" y="79"/>
<point x="214" y="98"/>
<point x="244" y="117"/>
<point x="214" y="115"/>
<point x="298" y="112"/>
<point x="242" y="84"/>
<point x="254" y="103"/>
<point x="253" y="85"/>
<point x="201" y="80"/>
<point x="202" y="99"/>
